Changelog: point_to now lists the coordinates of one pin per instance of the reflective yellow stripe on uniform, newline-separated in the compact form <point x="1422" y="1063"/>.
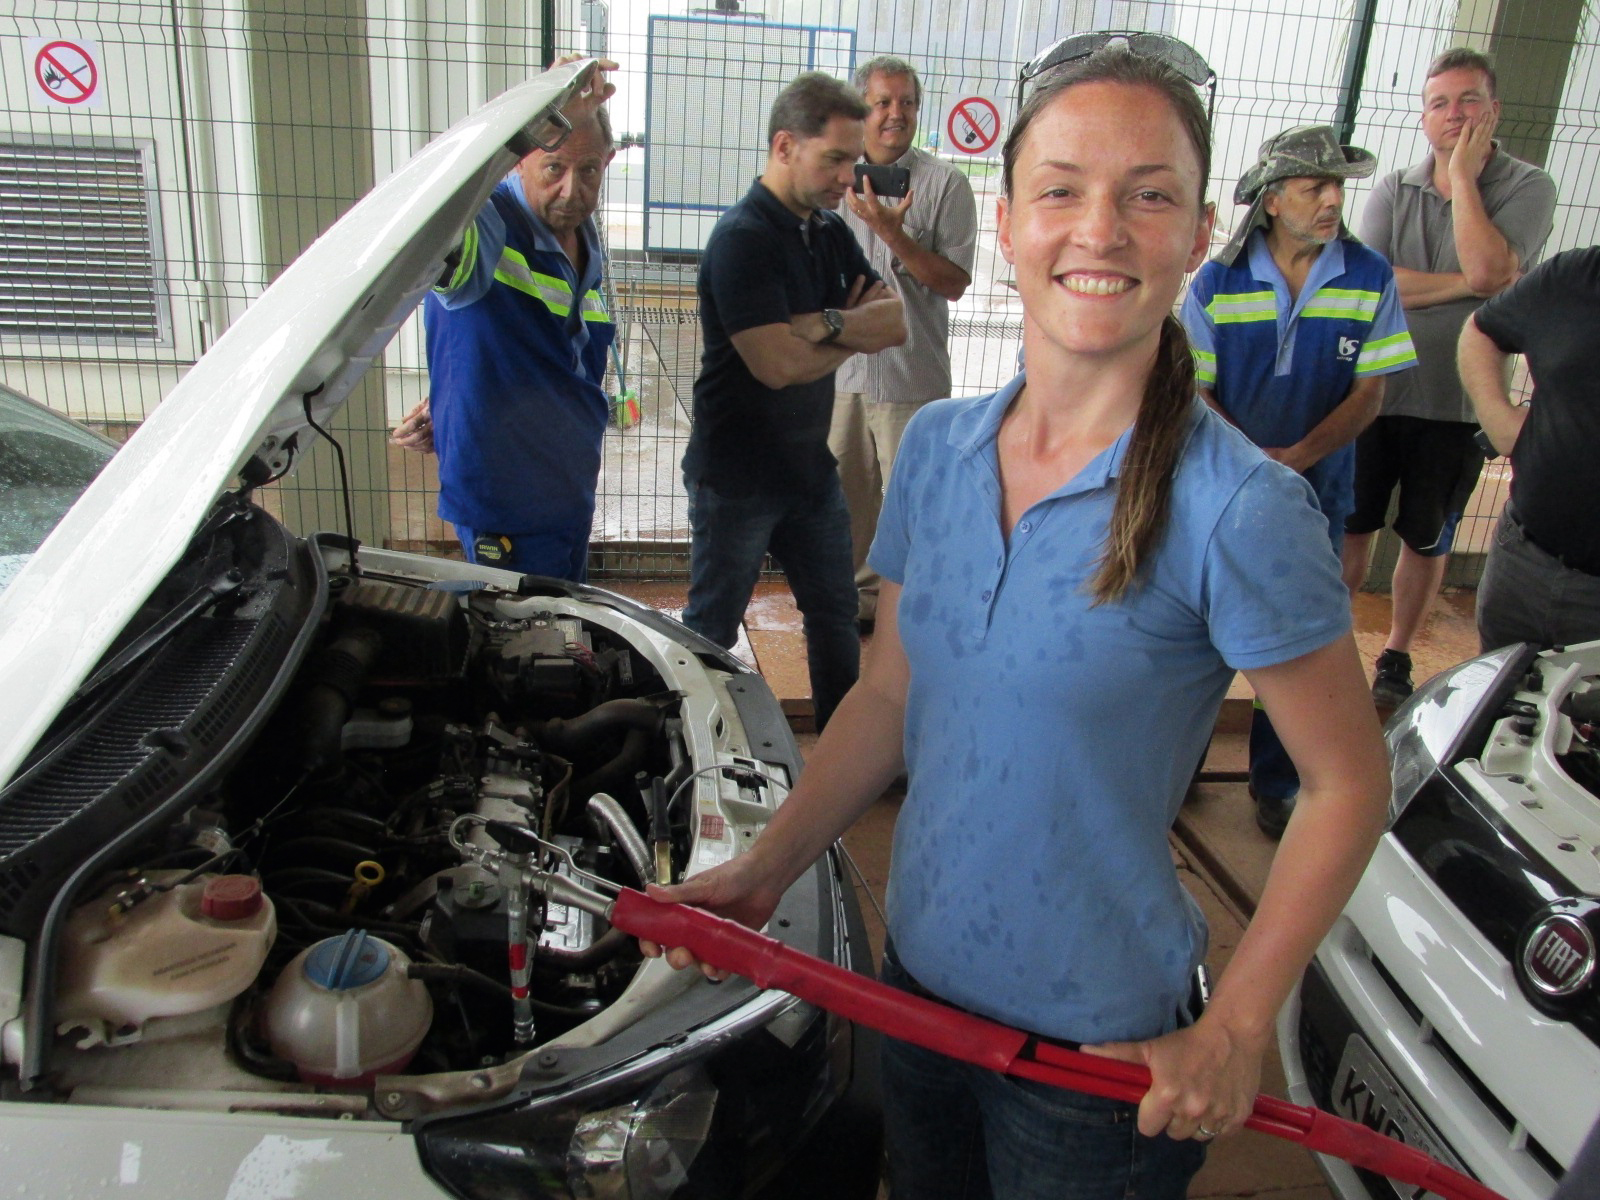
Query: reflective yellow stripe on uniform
<point x="556" y="293"/>
<point x="513" y="271"/>
<point x="468" y="260"/>
<point x="1349" y="303"/>
<point x="1395" y="351"/>
<point x="1205" y="367"/>
<point x="594" y="308"/>
<point x="1236" y="308"/>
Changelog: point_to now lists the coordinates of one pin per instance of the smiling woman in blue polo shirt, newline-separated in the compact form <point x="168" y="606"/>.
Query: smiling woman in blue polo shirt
<point x="1074" y="567"/>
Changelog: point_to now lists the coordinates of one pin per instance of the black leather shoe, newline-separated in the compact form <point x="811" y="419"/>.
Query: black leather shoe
<point x="1391" y="682"/>
<point x="1272" y="814"/>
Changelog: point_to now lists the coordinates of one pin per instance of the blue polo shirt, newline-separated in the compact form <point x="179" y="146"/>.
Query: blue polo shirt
<point x="517" y="347"/>
<point x="1279" y="366"/>
<point x="1049" y="742"/>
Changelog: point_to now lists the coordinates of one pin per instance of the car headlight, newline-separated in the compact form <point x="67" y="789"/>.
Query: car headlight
<point x="1431" y="726"/>
<point x="643" y="1148"/>
<point x="713" y="1115"/>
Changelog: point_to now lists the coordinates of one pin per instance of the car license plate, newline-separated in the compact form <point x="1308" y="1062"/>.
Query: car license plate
<point x="1365" y="1092"/>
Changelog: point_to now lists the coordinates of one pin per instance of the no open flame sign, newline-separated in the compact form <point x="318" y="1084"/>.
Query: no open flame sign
<point x="65" y="73"/>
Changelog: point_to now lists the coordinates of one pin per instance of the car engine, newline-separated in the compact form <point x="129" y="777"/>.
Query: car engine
<point x="348" y="903"/>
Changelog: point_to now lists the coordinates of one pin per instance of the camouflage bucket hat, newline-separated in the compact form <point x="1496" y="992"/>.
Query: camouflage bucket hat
<point x="1304" y="152"/>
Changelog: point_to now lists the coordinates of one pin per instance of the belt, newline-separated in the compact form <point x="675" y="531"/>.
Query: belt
<point x="1564" y="560"/>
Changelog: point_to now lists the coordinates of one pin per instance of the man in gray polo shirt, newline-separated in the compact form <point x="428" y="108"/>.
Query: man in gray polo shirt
<point x="1458" y="227"/>
<point x="924" y="245"/>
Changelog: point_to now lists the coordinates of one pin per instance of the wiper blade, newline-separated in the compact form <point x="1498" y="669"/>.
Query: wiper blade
<point x="202" y="599"/>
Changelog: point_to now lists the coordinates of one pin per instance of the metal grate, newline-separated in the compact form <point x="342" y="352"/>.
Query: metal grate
<point x="79" y="260"/>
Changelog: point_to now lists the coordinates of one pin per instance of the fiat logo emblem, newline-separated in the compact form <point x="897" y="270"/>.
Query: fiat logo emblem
<point x="1558" y="955"/>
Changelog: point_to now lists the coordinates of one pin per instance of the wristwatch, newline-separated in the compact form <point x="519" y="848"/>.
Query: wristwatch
<point x="834" y="320"/>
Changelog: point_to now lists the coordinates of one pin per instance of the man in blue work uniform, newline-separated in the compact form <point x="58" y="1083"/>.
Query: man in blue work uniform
<point x="1294" y="325"/>
<point x="517" y="339"/>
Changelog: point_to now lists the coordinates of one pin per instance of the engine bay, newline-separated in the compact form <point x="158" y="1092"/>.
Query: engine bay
<point x="349" y="906"/>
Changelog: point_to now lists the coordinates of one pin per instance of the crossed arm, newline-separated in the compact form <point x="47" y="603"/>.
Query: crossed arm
<point x="785" y="353"/>
<point x="1488" y="262"/>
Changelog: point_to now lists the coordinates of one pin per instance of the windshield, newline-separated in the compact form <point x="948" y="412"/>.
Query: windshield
<point x="46" y="461"/>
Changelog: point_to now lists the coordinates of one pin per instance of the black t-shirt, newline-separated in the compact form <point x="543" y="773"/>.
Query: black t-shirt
<point x="762" y="265"/>
<point x="1552" y="315"/>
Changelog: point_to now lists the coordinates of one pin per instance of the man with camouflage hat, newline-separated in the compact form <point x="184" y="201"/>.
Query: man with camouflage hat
<point x="1294" y="325"/>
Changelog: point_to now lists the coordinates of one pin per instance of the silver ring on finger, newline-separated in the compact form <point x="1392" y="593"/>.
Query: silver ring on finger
<point x="1202" y="1134"/>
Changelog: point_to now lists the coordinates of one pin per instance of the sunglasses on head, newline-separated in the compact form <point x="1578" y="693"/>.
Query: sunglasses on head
<point x="1180" y="56"/>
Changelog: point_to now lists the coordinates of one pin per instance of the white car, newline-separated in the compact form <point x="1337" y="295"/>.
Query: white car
<point x="1453" y="1005"/>
<point x="271" y="807"/>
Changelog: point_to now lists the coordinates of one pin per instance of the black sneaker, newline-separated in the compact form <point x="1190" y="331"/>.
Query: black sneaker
<point x="1392" y="683"/>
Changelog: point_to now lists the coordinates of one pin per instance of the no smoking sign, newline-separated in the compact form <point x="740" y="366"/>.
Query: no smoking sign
<point x="65" y="72"/>
<point x="973" y="125"/>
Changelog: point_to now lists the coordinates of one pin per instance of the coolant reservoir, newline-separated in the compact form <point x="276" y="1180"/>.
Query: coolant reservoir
<point x="344" y="1012"/>
<point x="175" y="952"/>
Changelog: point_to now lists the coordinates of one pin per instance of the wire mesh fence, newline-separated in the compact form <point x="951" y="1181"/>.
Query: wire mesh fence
<point x="160" y="163"/>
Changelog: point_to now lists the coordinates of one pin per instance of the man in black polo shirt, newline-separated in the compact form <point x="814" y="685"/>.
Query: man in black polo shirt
<point x="1542" y="580"/>
<point x="786" y="295"/>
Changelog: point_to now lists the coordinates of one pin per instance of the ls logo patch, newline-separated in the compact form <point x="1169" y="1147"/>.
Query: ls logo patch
<point x="1347" y="348"/>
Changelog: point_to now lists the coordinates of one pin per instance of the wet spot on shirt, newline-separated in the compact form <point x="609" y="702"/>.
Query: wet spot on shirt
<point x="1064" y="989"/>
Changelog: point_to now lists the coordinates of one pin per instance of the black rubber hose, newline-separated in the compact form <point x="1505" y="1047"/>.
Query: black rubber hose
<point x="337" y="677"/>
<point x="614" y="776"/>
<point x="566" y="737"/>
<point x="599" y="952"/>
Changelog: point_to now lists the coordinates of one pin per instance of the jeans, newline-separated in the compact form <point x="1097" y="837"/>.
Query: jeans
<point x="961" y="1132"/>
<point x="1272" y="774"/>
<point x="808" y="533"/>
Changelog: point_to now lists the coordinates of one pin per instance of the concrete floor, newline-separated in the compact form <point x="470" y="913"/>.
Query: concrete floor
<point x="1220" y="855"/>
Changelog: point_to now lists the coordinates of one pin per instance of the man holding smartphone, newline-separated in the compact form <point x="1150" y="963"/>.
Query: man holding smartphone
<point x="922" y="241"/>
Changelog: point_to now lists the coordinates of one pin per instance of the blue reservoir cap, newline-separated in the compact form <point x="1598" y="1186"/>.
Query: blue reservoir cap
<point x="341" y="964"/>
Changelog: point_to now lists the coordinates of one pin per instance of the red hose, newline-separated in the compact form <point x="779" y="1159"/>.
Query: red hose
<point x="768" y="963"/>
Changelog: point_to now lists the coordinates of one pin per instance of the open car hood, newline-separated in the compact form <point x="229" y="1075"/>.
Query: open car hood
<point x="297" y="352"/>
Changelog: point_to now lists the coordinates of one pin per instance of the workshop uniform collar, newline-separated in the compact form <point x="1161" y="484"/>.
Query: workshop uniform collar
<point x="1328" y="266"/>
<point x="975" y="436"/>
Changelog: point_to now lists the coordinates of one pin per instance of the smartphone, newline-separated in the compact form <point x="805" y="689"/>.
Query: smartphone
<point x="892" y="182"/>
